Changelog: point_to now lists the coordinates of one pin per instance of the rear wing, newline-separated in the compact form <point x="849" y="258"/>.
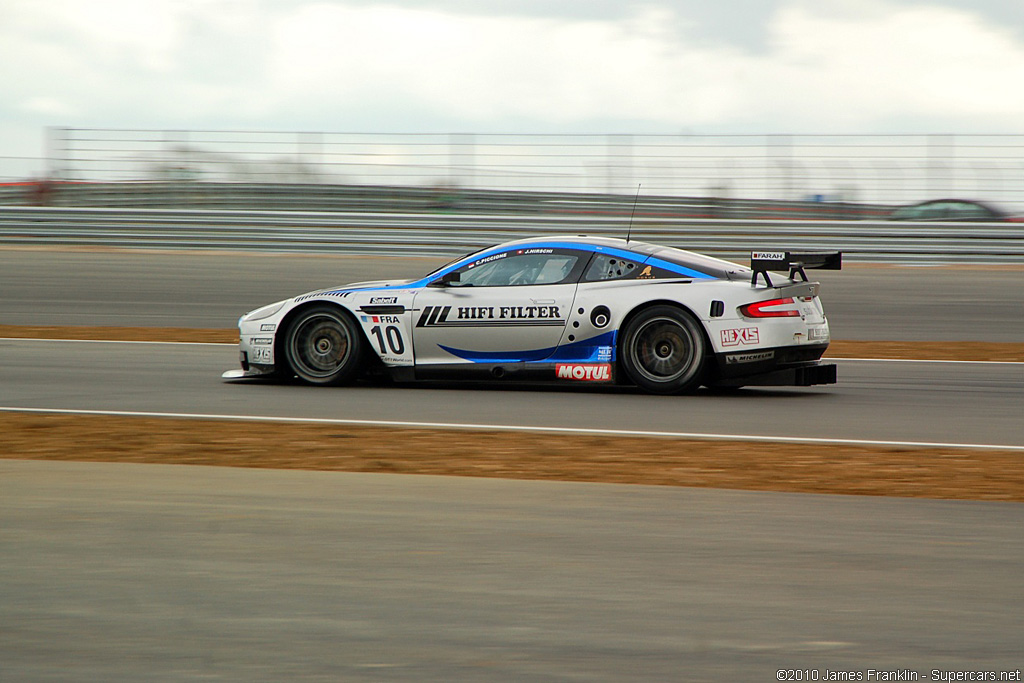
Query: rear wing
<point x="794" y="261"/>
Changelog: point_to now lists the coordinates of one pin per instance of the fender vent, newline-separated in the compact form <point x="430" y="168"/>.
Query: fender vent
<point x="383" y="309"/>
<point x="717" y="309"/>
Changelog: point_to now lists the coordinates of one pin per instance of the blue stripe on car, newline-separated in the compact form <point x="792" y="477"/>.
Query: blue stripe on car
<point x="676" y="268"/>
<point x="583" y="351"/>
<point x="579" y="246"/>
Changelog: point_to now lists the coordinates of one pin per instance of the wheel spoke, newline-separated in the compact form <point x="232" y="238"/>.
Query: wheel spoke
<point x="663" y="351"/>
<point x="319" y="345"/>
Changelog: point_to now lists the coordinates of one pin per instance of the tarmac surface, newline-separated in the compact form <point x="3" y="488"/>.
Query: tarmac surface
<point x="931" y="402"/>
<point x="177" y="573"/>
<point x="148" y="572"/>
<point x="157" y="289"/>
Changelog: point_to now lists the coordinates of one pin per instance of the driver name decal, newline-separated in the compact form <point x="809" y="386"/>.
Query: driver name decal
<point x="488" y="259"/>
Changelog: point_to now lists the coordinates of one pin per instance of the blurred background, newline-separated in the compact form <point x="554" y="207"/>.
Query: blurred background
<point x="701" y="176"/>
<point x="787" y="110"/>
<point x="856" y="106"/>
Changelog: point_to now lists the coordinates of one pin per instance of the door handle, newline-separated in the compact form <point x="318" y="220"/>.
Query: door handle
<point x="542" y="301"/>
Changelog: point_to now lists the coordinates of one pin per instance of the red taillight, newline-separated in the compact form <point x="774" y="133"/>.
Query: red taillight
<point x="773" y="308"/>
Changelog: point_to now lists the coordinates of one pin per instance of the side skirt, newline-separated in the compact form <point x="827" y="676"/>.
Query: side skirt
<point x="603" y="373"/>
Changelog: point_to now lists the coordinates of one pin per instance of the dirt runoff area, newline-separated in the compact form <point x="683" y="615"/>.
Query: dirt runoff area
<point x="966" y="474"/>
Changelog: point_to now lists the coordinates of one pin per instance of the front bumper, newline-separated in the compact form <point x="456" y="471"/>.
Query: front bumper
<point x="249" y="370"/>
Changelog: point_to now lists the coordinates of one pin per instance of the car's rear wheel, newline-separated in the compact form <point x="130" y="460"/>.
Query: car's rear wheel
<point x="663" y="351"/>
<point x="324" y="346"/>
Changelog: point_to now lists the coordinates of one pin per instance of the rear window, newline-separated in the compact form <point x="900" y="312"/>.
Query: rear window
<point x="608" y="267"/>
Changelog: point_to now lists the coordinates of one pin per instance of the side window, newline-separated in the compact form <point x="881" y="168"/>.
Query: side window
<point x="510" y="269"/>
<point x="606" y="267"/>
<point x="969" y="212"/>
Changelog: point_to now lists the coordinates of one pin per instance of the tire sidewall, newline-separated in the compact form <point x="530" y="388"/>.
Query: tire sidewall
<point x="691" y="377"/>
<point x="350" y="366"/>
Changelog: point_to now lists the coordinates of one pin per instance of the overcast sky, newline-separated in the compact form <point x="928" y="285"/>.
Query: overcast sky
<point x="541" y="66"/>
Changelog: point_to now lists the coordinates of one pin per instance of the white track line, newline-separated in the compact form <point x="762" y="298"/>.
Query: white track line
<point x="828" y="359"/>
<point x="118" y="341"/>
<point x="917" y="360"/>
<point x="512" y="428"/>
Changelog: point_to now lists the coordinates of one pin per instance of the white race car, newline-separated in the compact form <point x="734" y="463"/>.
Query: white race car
<point x="559" y="309"/>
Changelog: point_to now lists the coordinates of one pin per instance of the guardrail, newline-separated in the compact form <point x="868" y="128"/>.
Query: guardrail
<point x="453" y="234"/>
<point x="388" y="199"/>
<point x="881" y="169"/>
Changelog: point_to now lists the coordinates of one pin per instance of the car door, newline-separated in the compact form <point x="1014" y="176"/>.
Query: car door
<point x="504" y="307"/>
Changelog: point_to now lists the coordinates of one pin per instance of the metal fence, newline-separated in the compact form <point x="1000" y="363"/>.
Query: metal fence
<point x="874" y="169"/>
<point x="363" y="198"/>
<point x="453" y="234"/>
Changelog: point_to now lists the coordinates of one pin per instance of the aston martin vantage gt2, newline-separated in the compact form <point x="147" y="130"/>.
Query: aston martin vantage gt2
<point x="559" y="309"/>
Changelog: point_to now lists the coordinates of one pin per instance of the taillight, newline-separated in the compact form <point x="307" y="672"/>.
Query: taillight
<point x="773" y="308"/>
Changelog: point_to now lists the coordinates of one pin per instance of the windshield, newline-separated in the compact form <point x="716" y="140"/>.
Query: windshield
<point x="434" y="272"/>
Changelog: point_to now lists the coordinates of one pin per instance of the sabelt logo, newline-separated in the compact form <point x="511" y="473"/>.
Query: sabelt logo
<point x="595" y="372"/>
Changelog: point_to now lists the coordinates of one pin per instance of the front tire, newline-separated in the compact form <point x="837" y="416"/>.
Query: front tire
<point x="663" y="351"/>
<point x="324" y="346"/>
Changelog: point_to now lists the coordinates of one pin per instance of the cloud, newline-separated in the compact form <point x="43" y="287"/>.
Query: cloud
<point x="480" y="69"/>
<point x="824" y="68"/>
<point x="847" y="72"/>
<point x="820" y="67"/>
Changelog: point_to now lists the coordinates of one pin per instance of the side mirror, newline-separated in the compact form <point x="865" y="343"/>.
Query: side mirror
<point x="447" y="279"/>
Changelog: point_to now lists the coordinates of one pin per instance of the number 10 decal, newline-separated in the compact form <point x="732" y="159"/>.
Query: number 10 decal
<point x="393" y="336"/>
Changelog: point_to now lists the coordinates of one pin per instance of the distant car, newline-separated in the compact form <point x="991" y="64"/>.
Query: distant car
<point x="951" y="210"/>
<point x="559" y="309"/>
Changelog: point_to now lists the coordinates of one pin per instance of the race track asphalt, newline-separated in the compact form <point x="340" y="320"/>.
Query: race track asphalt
<point x="963" y="403"/>
<point x="178" y="573"/>
<point x="152" y="289"/>
<point x="124" y="573"/>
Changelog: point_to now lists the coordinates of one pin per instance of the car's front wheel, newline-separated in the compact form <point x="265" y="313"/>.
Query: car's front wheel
<point x="663" y="351"/>
<point x="324" y="346"/>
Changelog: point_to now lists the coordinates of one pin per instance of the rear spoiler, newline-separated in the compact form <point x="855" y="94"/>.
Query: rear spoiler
<point x="793" y="261"/>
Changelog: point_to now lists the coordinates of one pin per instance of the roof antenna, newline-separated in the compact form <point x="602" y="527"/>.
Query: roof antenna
<point x="630" y="228"/>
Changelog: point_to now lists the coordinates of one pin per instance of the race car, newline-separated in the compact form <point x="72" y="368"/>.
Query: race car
<point x="559" y="309"/>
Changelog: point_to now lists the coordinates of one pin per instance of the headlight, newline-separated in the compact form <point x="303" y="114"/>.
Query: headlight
<point x="265" y="312"/>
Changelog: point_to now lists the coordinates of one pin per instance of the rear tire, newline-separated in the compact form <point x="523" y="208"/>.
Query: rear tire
<point x="324" y="346"/>
<point x="663" y="351"/>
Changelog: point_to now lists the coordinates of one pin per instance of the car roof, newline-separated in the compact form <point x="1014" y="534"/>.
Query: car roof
<point x="709" y="265"/>
<point x="953" y="200"/>
<point x="613" y="242"/>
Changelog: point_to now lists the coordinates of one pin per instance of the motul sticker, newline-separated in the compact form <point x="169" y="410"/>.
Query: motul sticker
<point x="742" y="335"/>
<point x="599" y="372"/>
